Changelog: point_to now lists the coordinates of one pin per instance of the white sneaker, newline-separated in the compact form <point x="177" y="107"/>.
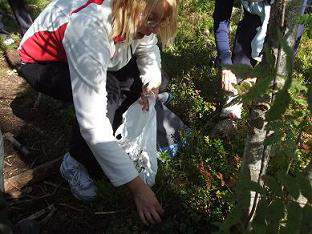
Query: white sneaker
<point x="165" y="97"/>
<point x="81" y="185"/>
<point x="232" y="112"/>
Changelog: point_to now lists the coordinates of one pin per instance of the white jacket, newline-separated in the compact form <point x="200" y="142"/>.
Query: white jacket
<point x="79" y="32"/>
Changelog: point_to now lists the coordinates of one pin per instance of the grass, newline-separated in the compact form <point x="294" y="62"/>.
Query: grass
<point x="195" y="187"/>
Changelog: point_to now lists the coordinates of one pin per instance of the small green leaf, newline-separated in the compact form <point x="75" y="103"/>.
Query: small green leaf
<point x="269" y="56"/>
<point x="290" y="183"/>
<point x="254" y="186"/>
<point x="240" y="70"/>
<point x="260" y="217"/>
<point x="274" y="186"/>
<point x="305" y="186"/>
<point x="279" y="106"/>
<point x="232" y="219"/>
<point x="273" y="138"/>
<point x="260" y="228"/>
<point x="294" y="217"/>
<point x="306" y="224"/>
<point x="275" y="214"/>
<point x="259" y="88"/>
<point x="243" y="88"/>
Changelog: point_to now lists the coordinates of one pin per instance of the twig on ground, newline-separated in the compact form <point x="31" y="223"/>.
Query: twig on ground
<point x="9" y="164"/>
<point x="33" y="163"/>
<point x="12" y="172"/>
<point x="32" y="199"/>
<point x="71" y="207"/>
<point x="33" y="149"/>
<point x="46" y="219"/>
<point x="10" y="156"/>
<point x="50" y="183"/>
<point x="10" y="137"/>
<point x="43" y="189"/>
<point x="109" y="212"/>
<point x="32" y="175"/>
<point x="56" y="185"/>
<point x="59" y="139"/>
<point x="38" y="213"/>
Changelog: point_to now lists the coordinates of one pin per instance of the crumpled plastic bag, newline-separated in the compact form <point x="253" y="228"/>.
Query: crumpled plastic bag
<point x="137" y="136"/>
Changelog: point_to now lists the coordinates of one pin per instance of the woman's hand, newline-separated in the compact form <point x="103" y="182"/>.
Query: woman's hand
<point x="148" y="207"/>
<point x="228" y="78"/>
<point x="147" y="91"/>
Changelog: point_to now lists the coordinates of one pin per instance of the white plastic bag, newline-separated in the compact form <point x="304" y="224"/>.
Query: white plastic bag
<point x="138" y="139"/>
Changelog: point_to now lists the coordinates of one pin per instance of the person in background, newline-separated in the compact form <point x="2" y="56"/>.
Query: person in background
<point x="21" y="15"/>
<point x="23" y="19"/>
<point x="102" y="55"/>
<point x="248" y="44"/>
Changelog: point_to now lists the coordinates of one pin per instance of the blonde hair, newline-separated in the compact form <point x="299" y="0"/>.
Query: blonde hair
<point x="126" y="17"/>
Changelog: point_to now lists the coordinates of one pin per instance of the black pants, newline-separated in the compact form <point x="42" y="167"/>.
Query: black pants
<point x="22" y="16"/>
<point x="123" y="88"/>
<point x="246" y="31"/>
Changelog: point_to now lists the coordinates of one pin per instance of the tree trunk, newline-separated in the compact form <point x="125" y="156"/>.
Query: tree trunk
<point x="256" y="154"/>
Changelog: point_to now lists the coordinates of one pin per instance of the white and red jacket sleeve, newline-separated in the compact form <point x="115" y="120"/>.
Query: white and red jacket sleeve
<point x="148" y="61"/>
<point x="88" y="53"/>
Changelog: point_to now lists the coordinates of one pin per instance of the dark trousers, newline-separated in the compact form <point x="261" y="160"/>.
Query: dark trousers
<point x="246" y="30"/>
<point x="22" y="16"/>
<point x="123" y="88"/>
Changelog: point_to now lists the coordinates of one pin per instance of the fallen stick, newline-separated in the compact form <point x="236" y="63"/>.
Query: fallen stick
<point x="32" y="175"/>
<point x="109" y="212"/>
<point x="46" y="219"/>
<point x="10" y="137"/>
<point x="38" y="213"/>
<point x="71" y="207"/>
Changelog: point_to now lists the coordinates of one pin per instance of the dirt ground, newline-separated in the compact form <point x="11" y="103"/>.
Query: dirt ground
<point x="40" y="126"/>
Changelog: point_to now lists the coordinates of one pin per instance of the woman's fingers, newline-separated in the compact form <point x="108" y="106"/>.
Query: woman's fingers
<point x="144" y="102"/>
<point x="142" y="217"/>
<point x="146" y="92"/>
<point x="227" y="80"/>
<point x="156" y="216"/>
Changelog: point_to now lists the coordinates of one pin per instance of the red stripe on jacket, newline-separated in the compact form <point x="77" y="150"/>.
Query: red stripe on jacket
<point x="98" y="2"/>
<point x="44" y="47"/>
<point x="47" y="46"/>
